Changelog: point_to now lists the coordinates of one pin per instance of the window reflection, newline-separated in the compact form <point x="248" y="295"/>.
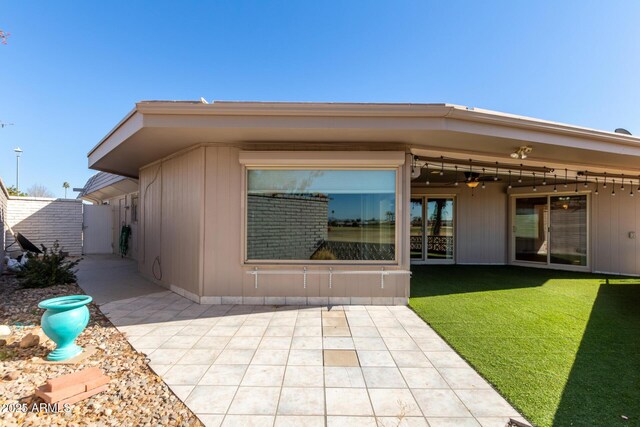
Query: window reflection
<point x="321" y="214"/>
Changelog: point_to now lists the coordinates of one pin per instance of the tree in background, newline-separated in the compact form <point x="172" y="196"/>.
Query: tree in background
<point x="39" y="190"/>
<point x="65" y="185"/>
<point x="13" y="191"/>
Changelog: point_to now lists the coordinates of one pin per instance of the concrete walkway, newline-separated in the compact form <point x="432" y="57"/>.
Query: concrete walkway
<point x="109" y="278"/>
<point x="297" y="366"/>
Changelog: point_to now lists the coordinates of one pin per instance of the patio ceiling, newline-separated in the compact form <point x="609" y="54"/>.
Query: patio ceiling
<point x="154" y="130"/>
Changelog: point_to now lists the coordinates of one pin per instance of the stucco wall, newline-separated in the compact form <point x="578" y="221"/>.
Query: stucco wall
<point x="44" y="220"/>
<point x="285" y="226"/>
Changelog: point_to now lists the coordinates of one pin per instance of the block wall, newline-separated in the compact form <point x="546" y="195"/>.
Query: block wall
<point x="44" y="220"/>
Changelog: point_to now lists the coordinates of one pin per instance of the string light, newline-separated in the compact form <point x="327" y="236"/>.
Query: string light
<point x="613" y="192"/>
<point x="534" y="182"/>
<point x="427" y="167"/>
<point x="583" y="178"/>
<point x="520" y="179"/>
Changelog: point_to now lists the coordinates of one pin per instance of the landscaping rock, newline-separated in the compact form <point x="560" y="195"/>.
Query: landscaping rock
<point x="29" y="340"/>
<point x="5" y="331"/>
<point x="12" y="376"/>
<point x="134" y="396"/>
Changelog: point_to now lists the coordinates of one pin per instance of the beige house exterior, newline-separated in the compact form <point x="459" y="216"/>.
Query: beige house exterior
<point x="344" y="198"/>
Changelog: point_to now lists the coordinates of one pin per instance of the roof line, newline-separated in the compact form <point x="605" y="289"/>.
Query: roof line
<point x="327" y="109"/>
<point x="115" y="128"/>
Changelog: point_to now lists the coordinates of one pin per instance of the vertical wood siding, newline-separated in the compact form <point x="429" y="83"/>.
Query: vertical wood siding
<point x="613" y="217"/>
<point x="170" y="232"/>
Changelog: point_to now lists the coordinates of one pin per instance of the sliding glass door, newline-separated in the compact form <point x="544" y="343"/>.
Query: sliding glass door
<point x="551" y="230"/>
<point x="417" y="228"/>
<point x="432" y="229"/>
<point x="530" y="229"/>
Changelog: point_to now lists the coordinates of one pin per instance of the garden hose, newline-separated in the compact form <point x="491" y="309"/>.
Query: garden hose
<point x="125" y="233"/>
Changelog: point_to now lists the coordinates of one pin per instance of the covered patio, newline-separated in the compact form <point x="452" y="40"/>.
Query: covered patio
<point x="328" y="203"/>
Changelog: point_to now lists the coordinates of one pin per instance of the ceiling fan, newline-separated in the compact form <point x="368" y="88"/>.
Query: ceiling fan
<point x="473" y="179"/>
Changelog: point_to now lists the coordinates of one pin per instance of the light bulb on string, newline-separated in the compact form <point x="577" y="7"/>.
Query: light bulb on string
<point x="456" y="183"/>
<point x="605" y="181"/>
<point x="482" y="179"/>
<point x="596" y="186"/>
<point x="613" y="192"/>
<point x="555" y="183"/>
<point x="510" y="186"/>
<point x="534" y="182"/>
<point x="441" y="165"/>
<point x="566" y="177"/>
<point x="520" y="178"/>
<point x="495" y="178"/>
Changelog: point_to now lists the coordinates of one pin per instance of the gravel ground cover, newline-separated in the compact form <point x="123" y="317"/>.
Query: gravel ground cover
<point x="136" y="396"/>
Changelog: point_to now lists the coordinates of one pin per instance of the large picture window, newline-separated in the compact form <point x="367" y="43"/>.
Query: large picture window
<point x="323" y="215"/>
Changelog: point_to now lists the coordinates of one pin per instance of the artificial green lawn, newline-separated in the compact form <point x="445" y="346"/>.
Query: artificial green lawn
<point x="562" y="347"/>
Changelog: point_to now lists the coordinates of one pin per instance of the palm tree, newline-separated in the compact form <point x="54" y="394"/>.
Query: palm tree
<point x="65" y="185"/>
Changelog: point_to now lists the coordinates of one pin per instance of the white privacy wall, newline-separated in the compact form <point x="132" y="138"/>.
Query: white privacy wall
<point x="3" y="219"/>
<point x="44" y="220"/>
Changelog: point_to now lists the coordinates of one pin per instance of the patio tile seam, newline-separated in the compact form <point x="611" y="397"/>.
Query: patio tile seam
<point x="437" y="370"/>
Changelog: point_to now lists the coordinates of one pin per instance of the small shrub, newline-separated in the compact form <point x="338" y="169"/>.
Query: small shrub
<point x="323" y="254"/>
<point x="49" y="269"/>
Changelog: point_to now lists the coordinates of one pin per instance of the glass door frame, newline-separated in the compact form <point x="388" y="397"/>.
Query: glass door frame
<point x="425" y="200"/>
<point x="549" y="231"/>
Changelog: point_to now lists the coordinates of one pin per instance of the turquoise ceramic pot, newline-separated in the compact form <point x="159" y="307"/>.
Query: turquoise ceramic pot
<point x="65" y="318"/>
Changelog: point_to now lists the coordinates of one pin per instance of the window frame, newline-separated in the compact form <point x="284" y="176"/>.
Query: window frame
<point x="135" y="207"/>
<point x="397" y="212"/>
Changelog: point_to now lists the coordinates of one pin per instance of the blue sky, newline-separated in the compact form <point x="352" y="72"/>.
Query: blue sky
<point x="72" y="70"/>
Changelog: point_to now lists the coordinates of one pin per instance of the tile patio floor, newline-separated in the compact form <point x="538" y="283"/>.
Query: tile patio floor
<point x="269" y="366"/>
